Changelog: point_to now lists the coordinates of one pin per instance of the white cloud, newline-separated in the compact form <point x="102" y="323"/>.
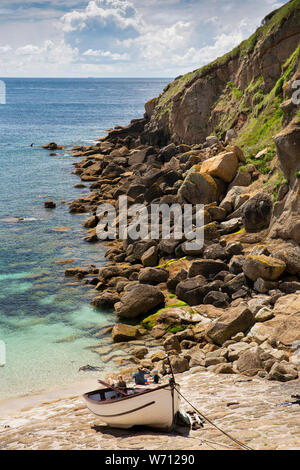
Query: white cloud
<point x="107" y="54"/>
<point x="121" y="12"/>
<point x="122" y="37"/>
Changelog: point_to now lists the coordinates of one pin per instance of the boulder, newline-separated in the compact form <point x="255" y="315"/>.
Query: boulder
<point x="123" y="333"/>
<point x="282" y="372"/>
<point x="257" y="212"/>
<point x="140" y="352"/>
<point x="50" y="205"/>
<point x="150" y="257"/>
<point x="140" y="300"/>
<point x="192" y="290"/>
<point x="172" y="344"/>
<point x="265" y="267"/>
<point x="249" y="363"/>
<point x="216" y="298"/>
<point x="199" y="188"/>
<point x="223" y="166"/>
<point x="235" y="320"/>
<point x="106" y="300"/>
<point x="223" y="369"/>
<point x="158" y="356"/>
<point x="206" y="267"/>
<point x="197" y="359"/>
<point x="291" y="257"/>
<point x="179" y="364"/>
<point x="153" y="276"/>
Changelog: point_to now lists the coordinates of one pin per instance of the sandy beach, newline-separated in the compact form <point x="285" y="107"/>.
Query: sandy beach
<point x="248" y="409"/>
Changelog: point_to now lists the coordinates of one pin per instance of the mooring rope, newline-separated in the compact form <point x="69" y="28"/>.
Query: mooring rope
<point x="239" y="443"/>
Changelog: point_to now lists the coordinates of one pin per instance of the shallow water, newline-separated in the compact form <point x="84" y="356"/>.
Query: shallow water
<point x="45" y="319"/>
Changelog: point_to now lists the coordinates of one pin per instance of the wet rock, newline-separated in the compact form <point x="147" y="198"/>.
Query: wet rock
<point x="106" y="300"/>
<point x="50" y="205"/>
<point x="140" y="300"/>
<point x="73" y="272"/>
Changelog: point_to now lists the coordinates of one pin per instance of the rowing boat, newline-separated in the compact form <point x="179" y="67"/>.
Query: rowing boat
<point x="143" y="406"/>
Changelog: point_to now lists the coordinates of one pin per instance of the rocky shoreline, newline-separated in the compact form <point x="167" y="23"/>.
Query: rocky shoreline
<point x="231" y="307"/>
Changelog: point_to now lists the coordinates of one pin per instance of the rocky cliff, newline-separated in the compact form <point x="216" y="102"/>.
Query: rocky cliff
<point x="240" y="91"/>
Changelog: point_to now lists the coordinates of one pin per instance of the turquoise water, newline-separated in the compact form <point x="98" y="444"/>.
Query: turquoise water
<point x="45" y="319"/>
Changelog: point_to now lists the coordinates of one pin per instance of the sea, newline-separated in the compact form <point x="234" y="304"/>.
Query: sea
<point x="46" y="322"/>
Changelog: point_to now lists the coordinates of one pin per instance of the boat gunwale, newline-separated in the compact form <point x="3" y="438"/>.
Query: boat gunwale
<point x="120" y="399"/>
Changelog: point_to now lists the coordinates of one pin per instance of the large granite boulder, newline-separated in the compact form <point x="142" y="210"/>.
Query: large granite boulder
<point x="236" y="320"/>
<point x="140" y="300"/>
<point x="199" y="188"/>
<point x="265" y="267"/>
<point x="223" y="166"/>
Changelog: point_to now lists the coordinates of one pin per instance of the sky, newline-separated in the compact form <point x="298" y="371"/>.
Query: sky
<point x="121" y="38"/>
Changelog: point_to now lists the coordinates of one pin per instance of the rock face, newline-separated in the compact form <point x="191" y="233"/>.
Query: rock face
<point x="189" y="109"/>
<point x="140" y="300"/>
<point x="234" y="321"/>
<point x="199" y="188"/>
<point x="265" y="267"/>
<point x="288" y="144"/>
<point x="257" y="213"/>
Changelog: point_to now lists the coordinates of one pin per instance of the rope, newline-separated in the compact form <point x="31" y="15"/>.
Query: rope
<point x="239" y="443"/>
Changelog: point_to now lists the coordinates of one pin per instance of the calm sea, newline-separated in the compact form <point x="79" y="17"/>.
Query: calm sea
<point x="45" y="320"/>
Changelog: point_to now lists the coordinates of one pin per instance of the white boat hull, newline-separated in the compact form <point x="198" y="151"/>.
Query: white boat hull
<point x="153" y="407"/>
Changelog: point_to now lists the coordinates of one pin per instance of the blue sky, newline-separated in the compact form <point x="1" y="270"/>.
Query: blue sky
<point x="121" y="38"/>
